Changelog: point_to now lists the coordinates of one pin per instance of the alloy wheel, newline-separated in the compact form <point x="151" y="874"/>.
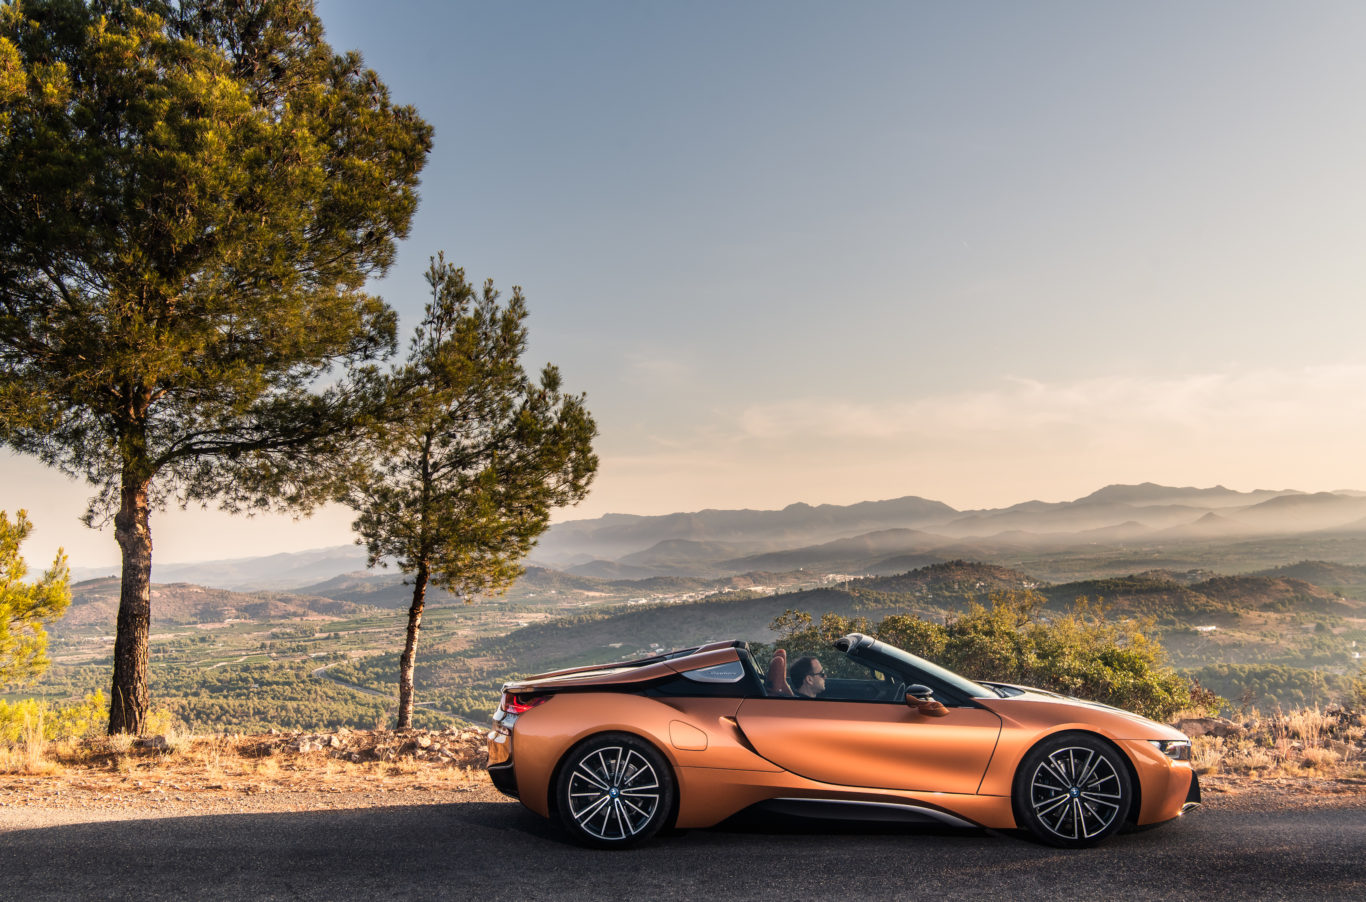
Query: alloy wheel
<point x="1076" y="793"/>
<point x="614" y="793"/>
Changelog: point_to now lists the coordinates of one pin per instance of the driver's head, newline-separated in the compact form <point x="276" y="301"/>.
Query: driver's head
<point x="807" y="676"/>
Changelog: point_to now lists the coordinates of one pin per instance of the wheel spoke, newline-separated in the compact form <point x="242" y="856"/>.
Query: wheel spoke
<point x="1088" y="768"/>
<point x="581" y="772"/>
<point x="1094" y="817"/>
<point x="1055" y="773"/>
<point x="644" y="815"/>
<point x="1063" y="814"/>
<point x="1042" y="808"/>
<point x="1100" y="799"/>
<point x="584" y="815"/>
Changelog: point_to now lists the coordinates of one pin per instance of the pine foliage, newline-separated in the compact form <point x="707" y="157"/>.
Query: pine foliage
<point x="476" y="453"/>
<point x="193" y="194"/>
<point x="26" y="607"/>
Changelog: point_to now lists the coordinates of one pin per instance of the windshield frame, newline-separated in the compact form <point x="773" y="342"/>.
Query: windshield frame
<point x="869" y="651"/>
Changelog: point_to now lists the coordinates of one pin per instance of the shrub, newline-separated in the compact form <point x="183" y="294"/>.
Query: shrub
<point x="72" y="721"/>
<point x="1081" y="653"/>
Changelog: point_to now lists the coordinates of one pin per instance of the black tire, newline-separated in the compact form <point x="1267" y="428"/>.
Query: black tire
<point x="1072" y="790"/>
<point x="614" y="791"/>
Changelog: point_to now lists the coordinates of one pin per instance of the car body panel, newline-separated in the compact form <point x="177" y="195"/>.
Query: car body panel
<point x="1028" y="719"/>
<point x="707" y="797"/>
<point x="625" y="673"/>
<point x="545" y="733"/>
<point x="729" y="752"/>
<point x="880" y="745"/>
<point x="1166" y="783"/>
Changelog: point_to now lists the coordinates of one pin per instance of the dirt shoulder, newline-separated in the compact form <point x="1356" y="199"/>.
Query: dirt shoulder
<point x="208" y="776"/>
<point x="179" y="776"/>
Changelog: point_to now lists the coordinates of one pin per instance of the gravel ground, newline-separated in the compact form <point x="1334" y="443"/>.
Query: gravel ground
<point x="398" y="843"/>
<point x="25" y="807"/>
<point x="86" y="797"/>
<point x="306" y="772"/>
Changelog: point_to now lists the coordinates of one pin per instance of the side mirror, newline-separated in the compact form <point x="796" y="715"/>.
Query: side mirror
<point x="920" y="700"/>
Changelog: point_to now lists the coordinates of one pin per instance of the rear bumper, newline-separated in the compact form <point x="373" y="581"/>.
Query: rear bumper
<point x="504" y="778"/>
<point x="499" y="740"/>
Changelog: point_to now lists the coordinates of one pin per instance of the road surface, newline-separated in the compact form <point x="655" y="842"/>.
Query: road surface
<point x="496" y="850"/>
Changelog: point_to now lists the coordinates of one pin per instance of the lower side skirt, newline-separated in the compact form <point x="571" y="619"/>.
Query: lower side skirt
<point x="841" y="809"/>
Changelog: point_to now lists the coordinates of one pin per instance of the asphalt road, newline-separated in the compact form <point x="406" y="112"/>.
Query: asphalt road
<point x="491" y="851"/>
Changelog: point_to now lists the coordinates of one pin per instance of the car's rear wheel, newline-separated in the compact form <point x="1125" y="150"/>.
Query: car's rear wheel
<point x="1072" y="790"/>
<point x="614" y="791"/>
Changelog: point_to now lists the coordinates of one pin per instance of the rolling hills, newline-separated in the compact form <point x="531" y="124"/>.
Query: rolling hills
<point x="1268" y="587"/>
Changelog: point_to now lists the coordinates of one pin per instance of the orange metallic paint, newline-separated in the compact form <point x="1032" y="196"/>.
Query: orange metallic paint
<point x="1165" y="782"/>
<point x="729" y="753"/>
<point x="882" y="745"/>
<point x="1026" y="720"/>
<point x="546" y="732"/>
<point x="586" y="677"/>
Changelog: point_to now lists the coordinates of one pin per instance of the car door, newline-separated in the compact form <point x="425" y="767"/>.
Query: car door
<point x="882" y="744"/>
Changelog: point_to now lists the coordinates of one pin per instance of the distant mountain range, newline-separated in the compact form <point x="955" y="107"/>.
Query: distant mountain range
<point x="95" y="602"/>
<point x="882" y="537"/>
<point x="872" y="537"/>
<point x="275" y="572"/>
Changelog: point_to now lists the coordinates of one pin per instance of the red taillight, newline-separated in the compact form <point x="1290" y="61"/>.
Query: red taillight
<point x="519" y="704"/>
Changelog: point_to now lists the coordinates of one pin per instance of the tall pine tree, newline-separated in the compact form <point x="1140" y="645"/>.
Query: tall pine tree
<point x="192" y="196"/>
<point x="475" y="456"/>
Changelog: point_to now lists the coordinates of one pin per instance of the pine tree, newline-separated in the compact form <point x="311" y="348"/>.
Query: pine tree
<point x="26" y="607"/>
<point x="192" y="196"/>
<point x="475" y="456"/>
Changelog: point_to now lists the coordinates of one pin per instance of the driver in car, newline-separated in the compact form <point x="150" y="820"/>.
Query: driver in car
<point x="807" y="677"/>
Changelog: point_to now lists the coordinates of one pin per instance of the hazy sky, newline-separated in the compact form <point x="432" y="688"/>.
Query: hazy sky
<point x="980" y="252"/>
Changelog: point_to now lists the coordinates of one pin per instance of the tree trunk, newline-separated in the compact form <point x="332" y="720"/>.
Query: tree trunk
<point x="405" y="663"/>
<point x="128" y="697"/>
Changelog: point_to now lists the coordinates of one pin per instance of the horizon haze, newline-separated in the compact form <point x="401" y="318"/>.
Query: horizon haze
<point x="881" y="536"/>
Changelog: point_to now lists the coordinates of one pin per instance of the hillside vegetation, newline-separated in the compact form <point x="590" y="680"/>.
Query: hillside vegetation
<point x="231" y="661"/>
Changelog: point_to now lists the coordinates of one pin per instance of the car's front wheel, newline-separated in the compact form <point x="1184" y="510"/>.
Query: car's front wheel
<point x="614" y="791"/>
<point x="1072" y="790"/>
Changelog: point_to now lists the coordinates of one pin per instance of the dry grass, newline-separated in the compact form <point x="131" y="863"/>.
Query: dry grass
<point x="336" y="762"/>
<point x="1328" y="743"/>
<point x="1302" y="745"/>
<point x="27" y="756"/>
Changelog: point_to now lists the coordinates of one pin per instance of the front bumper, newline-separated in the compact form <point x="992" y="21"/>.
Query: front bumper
<point x="1168" y="788"/>
<point x="1193" y="796"/>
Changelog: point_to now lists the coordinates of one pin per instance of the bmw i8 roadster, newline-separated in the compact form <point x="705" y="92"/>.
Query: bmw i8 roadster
<point x="689" y="738"/>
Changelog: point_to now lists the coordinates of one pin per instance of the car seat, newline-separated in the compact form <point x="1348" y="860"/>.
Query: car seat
<point x="776" y="683"/>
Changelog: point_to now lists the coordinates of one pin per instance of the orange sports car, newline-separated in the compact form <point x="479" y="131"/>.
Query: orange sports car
<point x="866" y="730"/>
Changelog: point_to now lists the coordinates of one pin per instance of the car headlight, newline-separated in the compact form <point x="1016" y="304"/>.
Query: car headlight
<point x="1175" y="749"/>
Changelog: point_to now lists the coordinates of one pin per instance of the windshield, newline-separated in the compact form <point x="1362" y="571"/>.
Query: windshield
<point x="913" y="665"/>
